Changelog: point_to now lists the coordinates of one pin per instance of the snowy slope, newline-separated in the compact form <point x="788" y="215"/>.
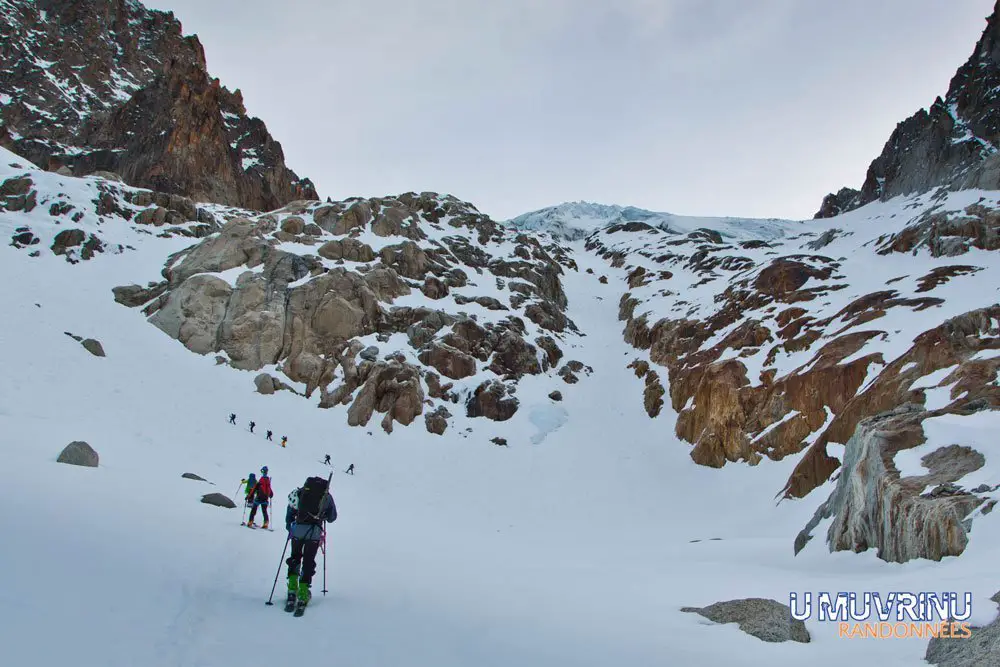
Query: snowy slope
<point x="575" y="220"/>
<point x="576" y="549"/>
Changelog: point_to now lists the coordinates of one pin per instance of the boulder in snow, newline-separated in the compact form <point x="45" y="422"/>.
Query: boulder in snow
<point x="79" y="453"/>
<point x="767" y="620"/>
<point x="437" y="420"/>
<point x="218" y="500"/>
<point x="265" y="383"/>
<point x="980" y="650"/>
<point x="68" y="238"/>
<point x="93" y="346"/>
<point x="191" y="475"/>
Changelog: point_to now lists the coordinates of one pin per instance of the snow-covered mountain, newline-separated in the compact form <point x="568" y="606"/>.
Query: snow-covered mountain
<point x="954" y="142"/>
<point x="575" y="220"/>
<point x="568" y="428"/>
<point x="109" y="85"/>
<point x="568" y="545"/>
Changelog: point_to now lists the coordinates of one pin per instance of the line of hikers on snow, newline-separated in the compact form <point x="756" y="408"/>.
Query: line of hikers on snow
<point x="284" y="443"/>
<point x="309" y="507"/>
<point x="253" y="425"/>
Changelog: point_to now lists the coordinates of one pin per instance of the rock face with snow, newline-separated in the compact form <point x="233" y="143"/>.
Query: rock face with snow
<point x="782" y="347"/>
<point x="108" y="85"/>
<point x="954" y="143"/>
<point x="928" y="525"/>
<point x="766" y="338"/>
<point x="283" y="288"/>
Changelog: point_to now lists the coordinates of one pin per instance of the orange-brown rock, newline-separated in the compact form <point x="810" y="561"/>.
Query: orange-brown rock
<point x="653" y="394"/>
<point x="448" y="361"/>
<point x="950" y="344"/>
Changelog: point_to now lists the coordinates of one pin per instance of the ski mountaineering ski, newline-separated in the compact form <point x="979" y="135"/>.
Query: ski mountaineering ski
<point x="253" y="527"/>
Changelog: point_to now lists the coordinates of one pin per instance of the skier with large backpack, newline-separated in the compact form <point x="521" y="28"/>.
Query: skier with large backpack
<point x="308" y="508"/>
<point x="250" y="482"/>
<point x="261" y="494"/>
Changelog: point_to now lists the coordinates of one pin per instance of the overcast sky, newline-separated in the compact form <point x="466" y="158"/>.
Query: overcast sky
<point x="697" y="107"/>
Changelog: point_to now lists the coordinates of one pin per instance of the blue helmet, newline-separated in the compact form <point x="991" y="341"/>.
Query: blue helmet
<point x="263" y="470"/>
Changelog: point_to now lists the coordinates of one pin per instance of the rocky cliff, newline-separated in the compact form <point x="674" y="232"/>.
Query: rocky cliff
<point x="954" y="143"/>
<point x="402" y="306"/>
<point x="317" y="292"/>
<point x="784" y="347"/>
<point x="108" y="85"/>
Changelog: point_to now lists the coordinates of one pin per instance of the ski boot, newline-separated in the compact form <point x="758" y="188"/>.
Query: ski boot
<point x="293" y="592"/>
<point x="304" y="596"/>
<point x="264" y="526"/>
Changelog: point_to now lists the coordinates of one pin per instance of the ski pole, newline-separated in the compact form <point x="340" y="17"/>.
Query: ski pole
<point x="246" y="504"/>
<point x="328" y="480"/>
<point x="275" y="585"/>
<point x="324" y="560"/>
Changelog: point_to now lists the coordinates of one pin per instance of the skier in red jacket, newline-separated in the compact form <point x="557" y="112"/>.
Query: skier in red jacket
<point x="261" y="494"/>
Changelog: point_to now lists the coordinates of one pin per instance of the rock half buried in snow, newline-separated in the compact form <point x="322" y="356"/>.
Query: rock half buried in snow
<point x="79" y="453"/>
<point x="191" y="475"/>
<point x="94" y="347"/>
<point x="982" y="649"/>
<point x="218" y="500"/>
<point x="765" y="619"/>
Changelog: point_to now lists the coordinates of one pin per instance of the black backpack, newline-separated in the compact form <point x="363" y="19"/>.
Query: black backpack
<point x="311" y="497"/>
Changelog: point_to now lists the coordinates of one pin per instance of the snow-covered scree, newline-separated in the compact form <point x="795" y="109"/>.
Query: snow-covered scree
<point x="577" y="549"/>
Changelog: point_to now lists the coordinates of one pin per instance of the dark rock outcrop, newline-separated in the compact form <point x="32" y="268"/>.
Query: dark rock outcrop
<point x="134" y="98"/>
<point x="954" y="143"/>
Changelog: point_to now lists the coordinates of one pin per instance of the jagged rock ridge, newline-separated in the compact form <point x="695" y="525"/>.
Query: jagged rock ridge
<point x="954" y="143"/>
<point x="108" y="85"/>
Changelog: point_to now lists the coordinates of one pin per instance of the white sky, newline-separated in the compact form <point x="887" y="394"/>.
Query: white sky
<point x="696" y="107"/>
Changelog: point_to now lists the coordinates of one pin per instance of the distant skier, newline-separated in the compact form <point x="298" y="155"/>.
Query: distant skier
<point x="261" y="495"/>
<point x="232" y="418"/>
<point x="327" y="459"/>
<point x="252" y="424"/>
<point x="284" y="440"/>
<point x="308" y="507"/>
<point x="350" y="469"/>
<point x="269" y="434"/>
